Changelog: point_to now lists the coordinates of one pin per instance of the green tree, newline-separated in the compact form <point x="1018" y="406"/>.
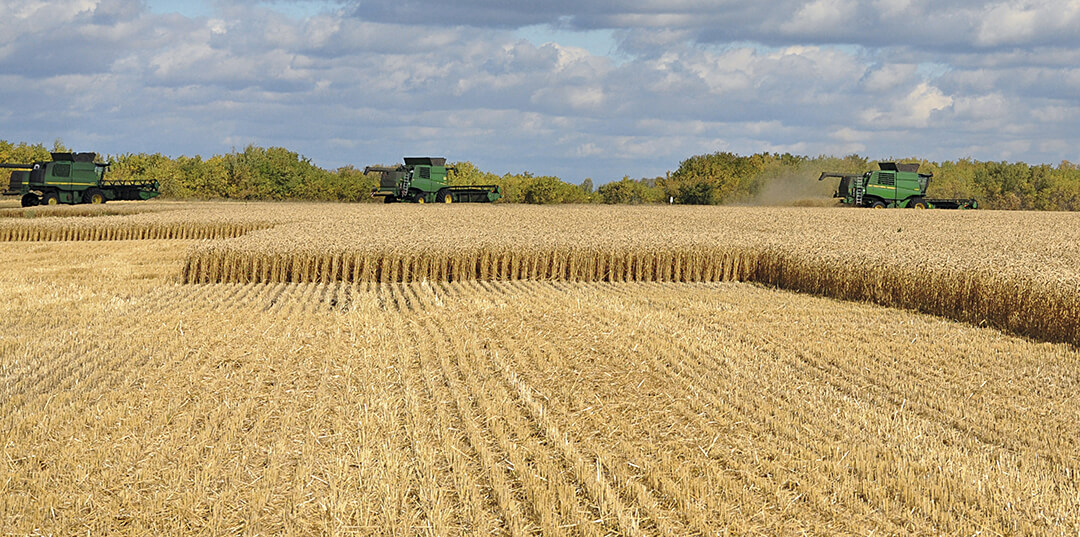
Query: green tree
<point x="623" y="191"/>
<point x="547" y="190"/>
<point x="714" y="179"/>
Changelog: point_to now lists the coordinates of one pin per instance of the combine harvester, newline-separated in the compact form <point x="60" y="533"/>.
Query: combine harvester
<point x="72" y="178"/>
<point x="425" y="180"/>
<point x="894" y="185"/>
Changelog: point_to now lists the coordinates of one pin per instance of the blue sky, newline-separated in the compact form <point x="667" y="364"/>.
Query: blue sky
<point x="590" y="88"/>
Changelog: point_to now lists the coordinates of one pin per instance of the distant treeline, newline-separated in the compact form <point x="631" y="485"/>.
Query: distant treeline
<point x="276" y="173"/>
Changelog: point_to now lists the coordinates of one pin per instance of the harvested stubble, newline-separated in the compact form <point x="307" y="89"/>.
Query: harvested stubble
<point x="510" y="407"/>
<point x="1016" y="271"/>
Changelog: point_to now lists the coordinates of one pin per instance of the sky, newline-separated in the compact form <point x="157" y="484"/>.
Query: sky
<point x="586" y="88"/>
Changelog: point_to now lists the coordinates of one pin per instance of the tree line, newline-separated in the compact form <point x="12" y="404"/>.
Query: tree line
<point x="275" y="173"/>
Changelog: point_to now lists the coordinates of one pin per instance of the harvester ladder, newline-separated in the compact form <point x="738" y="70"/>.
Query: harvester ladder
<point x="859" y="191"/>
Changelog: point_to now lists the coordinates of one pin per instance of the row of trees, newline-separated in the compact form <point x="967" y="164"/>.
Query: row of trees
<point x="275" y="173"/>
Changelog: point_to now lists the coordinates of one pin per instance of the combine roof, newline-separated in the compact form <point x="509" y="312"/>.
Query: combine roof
<point x="425" y="161"/>
<point x="912" y="167"/>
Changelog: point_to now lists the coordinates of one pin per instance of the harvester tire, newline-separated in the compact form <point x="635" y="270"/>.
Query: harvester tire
<point x="918" y="203"/>
<point x="389" y="199"/>
<point x="30" y="200"/>
<point x="50" y="199"/>
<point x="878" y="204"/>
<point x="444" y="196"/>
<point x="94" y="196"/>
<point x="420" y="198"/>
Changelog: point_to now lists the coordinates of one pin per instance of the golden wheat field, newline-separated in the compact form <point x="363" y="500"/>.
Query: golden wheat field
<point x="302" y="369"/>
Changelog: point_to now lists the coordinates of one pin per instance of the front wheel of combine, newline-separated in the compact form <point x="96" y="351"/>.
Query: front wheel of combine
<point x="94" y="196"/>
<point x="31" y="200"/>
<point x="444" y="196"/>
<point x="918" y="203"/>
<point x="389" y="199"/>
<point x="50" y="199"/>
<point x="878" y="204"/>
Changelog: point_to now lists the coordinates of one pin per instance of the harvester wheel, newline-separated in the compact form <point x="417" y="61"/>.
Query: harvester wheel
<point x="30" y="200"/>
<point x="444" y="196"/>
<point x="877" y="205"/>
<point x="917" y="203"/>
<point x="389" y="199"/>
<point x="50" y="199"/>
<point x="420" y="198"/>
<point x="94" y="196"/>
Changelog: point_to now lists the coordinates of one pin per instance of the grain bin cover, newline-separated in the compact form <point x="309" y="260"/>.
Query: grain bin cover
<point x="425" y="161"/>
<point x="899" y="167"/>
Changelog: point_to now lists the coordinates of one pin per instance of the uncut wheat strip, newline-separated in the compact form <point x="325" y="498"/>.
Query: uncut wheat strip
<point x="973" y="297"/>
<point x="95" y="231"/>
<point x="666" y="266"/>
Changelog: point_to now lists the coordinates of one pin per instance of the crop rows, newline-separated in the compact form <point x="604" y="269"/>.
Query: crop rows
<point x="512" y="407"/>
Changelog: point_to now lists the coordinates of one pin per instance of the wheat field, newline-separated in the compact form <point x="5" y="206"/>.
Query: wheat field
<point x="134" y="400"/>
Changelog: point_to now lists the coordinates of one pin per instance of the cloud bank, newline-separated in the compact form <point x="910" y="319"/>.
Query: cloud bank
<point x="371" y="81"/>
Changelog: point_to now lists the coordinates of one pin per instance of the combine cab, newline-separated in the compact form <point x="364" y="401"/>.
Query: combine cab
<point x="72" y="178"/>
<point x="895" y="185"/>
<point x="424" y="180"/>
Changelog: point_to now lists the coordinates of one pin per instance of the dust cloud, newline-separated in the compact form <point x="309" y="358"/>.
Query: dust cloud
<point x="795" y="190"/>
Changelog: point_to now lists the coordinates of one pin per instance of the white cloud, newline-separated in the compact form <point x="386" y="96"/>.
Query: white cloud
<point x="372" y="86"/>
<point x="1005" y="24"/>
<point x="913" y="110"/>
<point x="822" y="15"/>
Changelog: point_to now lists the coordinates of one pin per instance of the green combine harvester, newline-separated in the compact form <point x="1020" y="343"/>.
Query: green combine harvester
<point x="894" y="185"/>
<point x="72" y="178"/>
<point x="425" y="180"/>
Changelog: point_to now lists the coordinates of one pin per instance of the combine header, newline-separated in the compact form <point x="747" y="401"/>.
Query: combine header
<point x="895" y="185"/>
<point x="424" y="180"/>
<point x="72" y="178"/>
